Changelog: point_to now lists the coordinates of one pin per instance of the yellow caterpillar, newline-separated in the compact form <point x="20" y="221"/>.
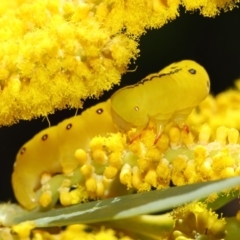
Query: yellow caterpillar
<point x="169" y="95"/>
<point x="52" y="150"/>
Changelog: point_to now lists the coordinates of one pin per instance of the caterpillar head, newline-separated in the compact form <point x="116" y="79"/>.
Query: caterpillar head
<point x="191" y="73"/>
<point x="171" y="93"/>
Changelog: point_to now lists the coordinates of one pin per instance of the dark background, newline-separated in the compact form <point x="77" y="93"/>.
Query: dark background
<point x="213" y="42"/>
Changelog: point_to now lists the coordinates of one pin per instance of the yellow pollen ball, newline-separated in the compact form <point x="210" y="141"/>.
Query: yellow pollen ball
<point x="81" y="156"/>
<point x="136" y="178"/>
<point x="115" y="159"/>
<point x="221" y="161"/>
<point x="143" y="164"/>
<point x="180" y="163"/>
<point x="65" y="198"/>
<point x="110" y="172"/>
<point x="187" y="138"/>
<point x="137" y="148"/>
<point x="163" y="170"/>
<point x="153" y="154"/>
<point x="86" y="170"/>
<point x="227" y="172"/>
<point x="190" y="172"/>
<point x="151" y="177"/>
<point x="237" y="171"/>
<point x="45" y="198"/>
<point x="204" y="134"/>
<point x="206" y="170"/>
<point x="126" y="175"/>
<point x="163" y="143"/>
<point x="100" y="189"/>
<point x="75" y="196"/>
<point x="144" y="187"/>
<point x="175" y="136"/>
<point x="99" y="156"/>
<point x="148" y="137"/>
<point x="200" y="154"/>
<point x="91" y="185"/>
<point x="96" y="143"/>
<point x="233" y="136"/>
<point x="45" y="177"/>
<point x="178" y="178"/>
<point x="221" y="134"/>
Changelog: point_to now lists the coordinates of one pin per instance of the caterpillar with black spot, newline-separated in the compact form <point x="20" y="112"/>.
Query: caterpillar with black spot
<point x="169" y="95"/>
<point x="52" y="150"/>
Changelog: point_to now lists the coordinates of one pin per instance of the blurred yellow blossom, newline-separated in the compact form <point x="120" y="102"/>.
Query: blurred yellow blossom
<point x="73" y="232"/>
<point x="23" y="229"/>
<point x="195" y="221"/>
<point x="54" y="54"/>
<point x="80" y="231"/>
<point x="219" y="111"/>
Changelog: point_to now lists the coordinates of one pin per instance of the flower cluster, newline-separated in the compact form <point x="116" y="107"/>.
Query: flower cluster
<point x="54" y="54"/>
<point x="116" y="165"/>
<point x="195" y="221"/>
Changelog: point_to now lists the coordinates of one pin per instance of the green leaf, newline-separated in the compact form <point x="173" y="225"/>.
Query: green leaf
<point x="127" y="206"/>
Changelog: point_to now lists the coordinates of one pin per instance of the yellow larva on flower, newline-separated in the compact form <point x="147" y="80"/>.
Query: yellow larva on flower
<point x="169" y="95"/>
<point x="52" y="150"/>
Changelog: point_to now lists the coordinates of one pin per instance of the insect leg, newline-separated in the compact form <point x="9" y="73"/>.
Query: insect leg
<point x="160" y="122"/>
<point x="180" y="118"/>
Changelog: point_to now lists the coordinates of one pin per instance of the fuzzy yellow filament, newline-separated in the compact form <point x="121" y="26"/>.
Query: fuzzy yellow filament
<point x="54" y="54"/>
